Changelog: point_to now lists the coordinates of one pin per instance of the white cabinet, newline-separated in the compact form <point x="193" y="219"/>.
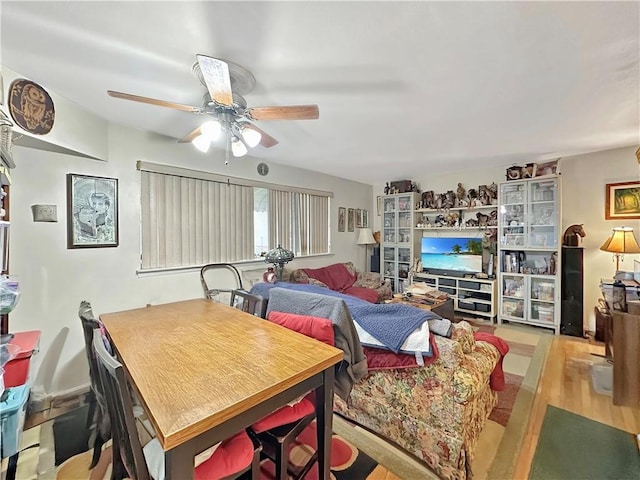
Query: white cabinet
<point x="400" y="245"/>
<point x="529" y="251"/>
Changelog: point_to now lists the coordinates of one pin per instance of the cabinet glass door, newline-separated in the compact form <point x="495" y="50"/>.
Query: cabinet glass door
<point x="513" y="296"/>
<point x="543" y="230"/>
<point x="542" y="299"/>
<point x="512" y="214"/>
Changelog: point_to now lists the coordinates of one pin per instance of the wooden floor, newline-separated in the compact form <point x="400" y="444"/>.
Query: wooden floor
<point x="566" y="383"/>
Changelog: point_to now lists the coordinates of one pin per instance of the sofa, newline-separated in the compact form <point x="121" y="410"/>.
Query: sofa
<point x="343" y="278"/>
<point x="435" y="412"/>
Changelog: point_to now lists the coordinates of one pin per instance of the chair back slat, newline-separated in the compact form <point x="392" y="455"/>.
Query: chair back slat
<point x="248" y="302"/>
<point x="127" y="449"/>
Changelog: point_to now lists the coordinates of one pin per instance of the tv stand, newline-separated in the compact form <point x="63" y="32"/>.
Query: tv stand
<point x="475" y="296"/>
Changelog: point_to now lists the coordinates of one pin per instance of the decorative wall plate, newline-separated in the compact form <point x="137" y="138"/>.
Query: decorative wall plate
<point x="31" y="106"/>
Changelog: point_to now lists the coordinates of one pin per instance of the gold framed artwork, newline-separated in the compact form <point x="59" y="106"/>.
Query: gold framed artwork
<point x="622" y="201"/>
<point x="351" y="220"/>
<point x="342" y="213"/>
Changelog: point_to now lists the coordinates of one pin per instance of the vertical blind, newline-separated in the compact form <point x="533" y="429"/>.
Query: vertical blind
<point x="192" y="218"/>
<point x="188" y="221"/>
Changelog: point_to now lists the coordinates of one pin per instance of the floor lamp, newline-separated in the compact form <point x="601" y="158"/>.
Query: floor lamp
<point x="366" y="238"/>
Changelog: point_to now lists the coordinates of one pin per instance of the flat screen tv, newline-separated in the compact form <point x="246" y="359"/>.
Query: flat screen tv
<point x="451" y="255"/>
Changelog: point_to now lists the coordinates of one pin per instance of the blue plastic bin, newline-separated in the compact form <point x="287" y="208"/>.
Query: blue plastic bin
<point x="12" y="413"/>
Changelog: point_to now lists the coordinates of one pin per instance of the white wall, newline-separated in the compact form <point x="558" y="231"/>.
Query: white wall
<point x="54" y="280"/>
<point x="583" y="179"/>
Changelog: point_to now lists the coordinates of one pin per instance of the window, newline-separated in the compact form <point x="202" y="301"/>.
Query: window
<point x="191" y="218"/>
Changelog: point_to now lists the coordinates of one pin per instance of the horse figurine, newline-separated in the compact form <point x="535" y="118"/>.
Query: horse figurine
<point x="571" y="234"/>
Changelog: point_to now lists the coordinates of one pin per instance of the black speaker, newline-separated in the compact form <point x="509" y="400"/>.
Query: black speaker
<point x="572" y="291"/>
<point x="375" y="260"/>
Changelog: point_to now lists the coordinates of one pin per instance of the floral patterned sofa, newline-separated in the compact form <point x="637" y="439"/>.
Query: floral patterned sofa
<point x="435" y="412"/>
<point x="357" y="285"/>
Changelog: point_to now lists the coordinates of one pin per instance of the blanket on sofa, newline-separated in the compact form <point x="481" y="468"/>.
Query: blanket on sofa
<point x="390" y="323"/>
<point x="335" y="276"/>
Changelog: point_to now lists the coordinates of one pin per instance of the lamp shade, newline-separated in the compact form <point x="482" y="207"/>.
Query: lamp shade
<point x="366" y="237"/>
<point x="622" y="240"/>
<point x="279" y="256"/>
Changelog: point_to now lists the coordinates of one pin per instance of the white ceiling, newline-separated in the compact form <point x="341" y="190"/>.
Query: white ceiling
<point x="402" y="87"/>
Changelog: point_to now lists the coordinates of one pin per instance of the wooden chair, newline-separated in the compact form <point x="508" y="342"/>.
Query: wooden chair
<point x="278" y="430"/>
<point x="218" y="280"/>
<point x="248" y="302"/>
<point x="234" y="457"/>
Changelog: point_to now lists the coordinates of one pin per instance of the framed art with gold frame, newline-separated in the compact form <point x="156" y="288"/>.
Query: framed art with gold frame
<point x="622" y="201"/>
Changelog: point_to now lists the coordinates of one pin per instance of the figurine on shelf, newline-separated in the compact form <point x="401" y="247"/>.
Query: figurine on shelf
<point x="387" y="189"/>
<point x="461" y="195"/>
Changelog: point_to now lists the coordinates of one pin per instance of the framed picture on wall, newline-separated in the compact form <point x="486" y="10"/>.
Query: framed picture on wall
<point x="92" y="211"/>
<point x="365" y="218"/>
<point x="342" y="213"/>
<point x="351" y="220"/>
<point x="358" y="218"/>
<point x="622" y="201"/>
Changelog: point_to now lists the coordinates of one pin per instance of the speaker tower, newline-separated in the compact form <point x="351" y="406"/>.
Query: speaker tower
<point x="571" y="320"/>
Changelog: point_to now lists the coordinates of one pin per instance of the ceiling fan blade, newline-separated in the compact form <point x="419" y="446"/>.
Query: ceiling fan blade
<point x="153" y="101"/>
<point x="190" y="136"/>
<point x="294" y="112"/>
<point x="216" y="75"/>
<point x="266" y="140"/>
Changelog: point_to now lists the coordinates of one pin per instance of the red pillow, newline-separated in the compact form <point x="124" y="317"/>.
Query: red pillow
<point x="381" y="359"/>
<point x="314" y="327"/>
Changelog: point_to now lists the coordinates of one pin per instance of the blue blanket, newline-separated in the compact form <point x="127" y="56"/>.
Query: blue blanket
<point x="390" y="323"/>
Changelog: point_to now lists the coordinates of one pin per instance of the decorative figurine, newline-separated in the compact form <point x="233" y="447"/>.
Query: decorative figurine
<point x="387" y="189"/>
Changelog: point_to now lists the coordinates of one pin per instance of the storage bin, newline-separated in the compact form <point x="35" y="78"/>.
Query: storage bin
<point x="466" y="305"/>
<point x="12" y="413"/>
<point x="451" y="282"/>
<point x="483" y="307"/>
<point x="469" y="285"/>
<point x="16" y="371"/>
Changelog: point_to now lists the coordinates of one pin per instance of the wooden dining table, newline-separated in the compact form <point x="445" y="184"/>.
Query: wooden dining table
<point x="204" y="371"/>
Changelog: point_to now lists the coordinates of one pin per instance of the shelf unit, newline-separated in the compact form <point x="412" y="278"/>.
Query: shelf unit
<point x="427" y="217"/>
<point x="400" y="244"/>
<point x="476" y="296"/>
<point x="529" y="252"/>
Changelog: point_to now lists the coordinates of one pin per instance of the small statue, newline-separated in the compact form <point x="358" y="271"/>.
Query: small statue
<point x="387" y="189"/>
<point x="571" y="235"/>
<point x="461" y="194"/>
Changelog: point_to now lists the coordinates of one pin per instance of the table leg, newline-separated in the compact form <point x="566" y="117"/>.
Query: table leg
<point x="178" y="463"/>
<point x="324" y="422"/>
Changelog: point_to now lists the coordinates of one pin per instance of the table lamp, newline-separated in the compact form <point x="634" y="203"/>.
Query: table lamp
<point x="279" y="257"/>
<point x="365" y="238"/>
<point x="621" y="241"/>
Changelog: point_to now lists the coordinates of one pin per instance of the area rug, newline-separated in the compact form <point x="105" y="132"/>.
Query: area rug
<point x="573" y="446"/>
<point x="501" y="439"/>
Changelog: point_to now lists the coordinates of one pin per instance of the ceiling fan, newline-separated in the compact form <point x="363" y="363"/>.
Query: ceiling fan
<point x="226" y="82"/>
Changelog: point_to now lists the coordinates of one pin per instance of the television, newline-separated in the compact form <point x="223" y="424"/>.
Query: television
<point x="451" y="255"/>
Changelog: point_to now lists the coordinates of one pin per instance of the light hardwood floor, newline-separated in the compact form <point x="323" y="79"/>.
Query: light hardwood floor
<point x="566" y="383"/>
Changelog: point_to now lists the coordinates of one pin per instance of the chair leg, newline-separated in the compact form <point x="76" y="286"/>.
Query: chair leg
<point x="282" y="461"/>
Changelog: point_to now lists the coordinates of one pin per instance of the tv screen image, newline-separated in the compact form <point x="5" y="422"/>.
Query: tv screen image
<point x="451" y="254"/>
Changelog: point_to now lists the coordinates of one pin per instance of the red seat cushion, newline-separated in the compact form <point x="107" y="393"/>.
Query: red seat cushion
<point x="232" y="456"/>
<point x="284" y="416"/>
<point x="314" y="327"/>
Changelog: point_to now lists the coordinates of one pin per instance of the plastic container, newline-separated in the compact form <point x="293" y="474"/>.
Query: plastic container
<point x="16" y="371"/>
<point x="12" y="414"/>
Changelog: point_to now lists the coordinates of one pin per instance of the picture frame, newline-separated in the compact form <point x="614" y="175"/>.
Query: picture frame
<point x="547" y="168"/>
<point x="379" y="204"/>
<point x="92" y="211"/>
<point x="359" y="218"/>
<point x="342" y="213"/>
<point x="622" y="201"/>
<point x="365" y="219"/>
<point x="351" y="220"/>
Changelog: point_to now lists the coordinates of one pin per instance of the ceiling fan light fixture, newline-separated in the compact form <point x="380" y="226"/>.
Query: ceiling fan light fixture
<point x="250" y="136"/>
<point x="237" y="147"/>
<point x="202" y="143"/>
<point x="211" y="130"/>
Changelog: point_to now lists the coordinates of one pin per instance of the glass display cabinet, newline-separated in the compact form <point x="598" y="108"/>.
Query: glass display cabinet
<point x="529" y="251"/>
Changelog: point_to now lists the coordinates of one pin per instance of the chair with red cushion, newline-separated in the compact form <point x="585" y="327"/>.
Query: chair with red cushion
<point x="232" y="458"/>
<point x="279" y="429"/>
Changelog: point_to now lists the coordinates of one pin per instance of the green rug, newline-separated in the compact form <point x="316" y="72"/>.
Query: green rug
<point x="573" y="447"/>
